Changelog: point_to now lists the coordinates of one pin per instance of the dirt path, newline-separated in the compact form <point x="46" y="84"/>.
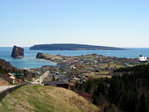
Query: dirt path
<point x="2" y="88"/>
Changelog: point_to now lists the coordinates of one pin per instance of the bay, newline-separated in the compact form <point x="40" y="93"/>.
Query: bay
<point x="29" y="61"/>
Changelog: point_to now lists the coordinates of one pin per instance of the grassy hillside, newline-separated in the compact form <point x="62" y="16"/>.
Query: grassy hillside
<point x="35" y="98"/>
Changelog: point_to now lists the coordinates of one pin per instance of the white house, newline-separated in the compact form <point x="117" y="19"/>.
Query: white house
<point x="143" y="58"/>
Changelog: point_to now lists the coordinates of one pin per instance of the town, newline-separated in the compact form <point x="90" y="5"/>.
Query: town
<point x="71" y="69"/>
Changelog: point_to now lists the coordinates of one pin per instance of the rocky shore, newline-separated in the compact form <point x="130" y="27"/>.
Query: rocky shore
<point x="49" y="57"/>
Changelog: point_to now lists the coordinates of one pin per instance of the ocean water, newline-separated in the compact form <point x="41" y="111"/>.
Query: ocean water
<point x="29" y="61"/>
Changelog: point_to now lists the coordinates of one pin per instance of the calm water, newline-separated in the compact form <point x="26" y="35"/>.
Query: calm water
<point x="29" y="61"/>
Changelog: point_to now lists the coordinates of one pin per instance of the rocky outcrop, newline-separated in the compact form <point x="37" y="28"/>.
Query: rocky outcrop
<point x="49" y="57"/>
<point x="40" y="56"/>
<point x="17" y="52"/>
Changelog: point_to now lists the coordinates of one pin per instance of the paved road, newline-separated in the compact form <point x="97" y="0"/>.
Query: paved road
<point x="41" y="78"/>
<point x="2" y="88"/>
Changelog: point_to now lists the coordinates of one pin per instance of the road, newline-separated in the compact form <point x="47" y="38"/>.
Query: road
<point x="41" y="78"/>
<point x="2" y="88"/>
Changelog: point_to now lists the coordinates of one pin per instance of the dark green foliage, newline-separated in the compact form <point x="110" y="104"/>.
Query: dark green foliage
<point x="129" y="91"/>
<point x="3" y="70"/>
<point x="143" y="105"/>
<point x="6" y="67"/>
<point x="53" y="78"/>
<point x="71" y="47"/>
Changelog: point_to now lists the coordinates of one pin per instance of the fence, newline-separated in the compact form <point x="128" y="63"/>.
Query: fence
<point x="9" y="90"/>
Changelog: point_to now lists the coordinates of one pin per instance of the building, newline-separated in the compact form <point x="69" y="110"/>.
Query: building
<point x="143" y="58"/>
<point x="62" y="84"/>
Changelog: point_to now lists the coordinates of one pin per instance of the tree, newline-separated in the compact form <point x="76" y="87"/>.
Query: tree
<point x="143" y="107"/>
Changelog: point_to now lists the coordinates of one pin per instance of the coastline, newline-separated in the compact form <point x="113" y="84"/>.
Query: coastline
<point x="29" y="61"/>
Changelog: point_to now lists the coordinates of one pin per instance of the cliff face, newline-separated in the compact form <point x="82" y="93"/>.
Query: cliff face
<point x="17" y="52"/>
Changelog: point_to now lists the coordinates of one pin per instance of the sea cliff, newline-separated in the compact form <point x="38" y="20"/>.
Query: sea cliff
<point x="17" y="52"/>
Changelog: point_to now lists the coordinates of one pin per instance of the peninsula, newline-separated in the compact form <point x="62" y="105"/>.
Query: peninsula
<point x="71" y="47"/>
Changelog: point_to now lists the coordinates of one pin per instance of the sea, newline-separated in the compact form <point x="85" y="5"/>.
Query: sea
<point x="30" y="61"/>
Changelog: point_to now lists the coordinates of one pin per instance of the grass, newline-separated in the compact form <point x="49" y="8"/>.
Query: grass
<point x="37" y="98"/>
<point x="93" y="76"/>
<point x="104" y="74"/>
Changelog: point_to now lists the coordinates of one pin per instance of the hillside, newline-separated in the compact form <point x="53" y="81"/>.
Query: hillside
<point x="6" y="67"/>
<point x="35" y="98"/>
<point x="128" y="89"/>
<point x="71" y="47"/>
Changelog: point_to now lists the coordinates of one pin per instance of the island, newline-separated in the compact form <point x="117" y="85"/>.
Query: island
<point x="72" y="47"/>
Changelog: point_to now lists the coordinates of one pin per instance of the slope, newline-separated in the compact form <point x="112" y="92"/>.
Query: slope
<point x="36" y="98"/>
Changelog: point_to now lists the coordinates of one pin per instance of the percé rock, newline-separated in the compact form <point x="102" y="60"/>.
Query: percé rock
<point x="17" y="52"/>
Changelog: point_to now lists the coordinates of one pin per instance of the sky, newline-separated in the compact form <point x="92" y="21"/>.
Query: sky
<point x="118" y="23"/>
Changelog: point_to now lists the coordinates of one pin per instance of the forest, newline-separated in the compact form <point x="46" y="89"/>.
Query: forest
<point x="72" y="47"/>
<point x="128" y="89"/>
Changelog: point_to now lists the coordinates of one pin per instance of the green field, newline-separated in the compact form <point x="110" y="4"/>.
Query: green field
<point x="37" y="98"/>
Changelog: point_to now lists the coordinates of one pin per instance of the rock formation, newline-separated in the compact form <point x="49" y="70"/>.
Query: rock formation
<point x="17" y="52"/>
<point x="48" y="57"/>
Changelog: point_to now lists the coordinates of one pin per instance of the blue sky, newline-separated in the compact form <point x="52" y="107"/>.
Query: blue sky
<point x="122" y="23"/>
